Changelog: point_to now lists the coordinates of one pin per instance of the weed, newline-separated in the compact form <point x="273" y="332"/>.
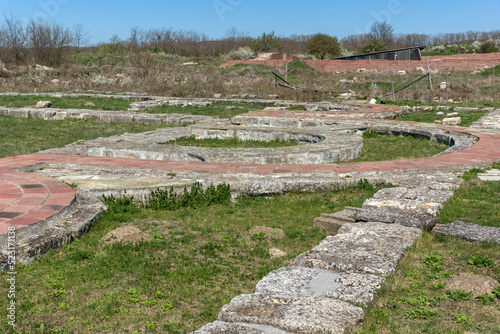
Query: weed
<point x="433" y="261"/>
<point x="461" y="318"/>
<point x="496" y="291"/>
<point x="486" y="299"/>
<point x="480" y="261"/>
<point x="438" y="285"/>
<point x="422" y="313"/>
<point x="259" y="235"/>
<point x="458" y="295"/>
<point x="416" y="301"/>
<point x="168" y="199"/>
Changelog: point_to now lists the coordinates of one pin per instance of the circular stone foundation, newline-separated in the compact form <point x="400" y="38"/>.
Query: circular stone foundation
<point x="317" y="145"/>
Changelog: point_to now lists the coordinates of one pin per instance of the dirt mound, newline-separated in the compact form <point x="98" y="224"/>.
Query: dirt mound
<point x="476" y="284"/>
<point x="268" y="232"/>
<point x="126" y="234"/>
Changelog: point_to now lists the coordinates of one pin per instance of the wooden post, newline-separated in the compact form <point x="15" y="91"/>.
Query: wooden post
<point x="286" y="73"/>
<point x="494" y="87"/>
<point x="392" y="84"/>
<point x="467" y="86"/>
<point x="446" y="88"/>
<point x="430" y="76"/>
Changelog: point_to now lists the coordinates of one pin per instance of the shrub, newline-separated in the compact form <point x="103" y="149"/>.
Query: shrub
<point x="321" y="45"/>
<point x="168" y="199"/>
<point x="242" y="53"/>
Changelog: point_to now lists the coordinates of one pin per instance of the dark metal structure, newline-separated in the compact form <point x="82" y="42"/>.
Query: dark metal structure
<point x="412" y="53"/>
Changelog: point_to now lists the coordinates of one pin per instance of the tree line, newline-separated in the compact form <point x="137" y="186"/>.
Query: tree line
<point x="48" y="43"/>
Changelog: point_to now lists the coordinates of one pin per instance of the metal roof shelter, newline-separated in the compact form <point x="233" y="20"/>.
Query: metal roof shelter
<point x="411" y="53"/>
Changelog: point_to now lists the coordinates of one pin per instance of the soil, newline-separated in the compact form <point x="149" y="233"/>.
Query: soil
<point x="126" y="234"/>
<point x="476" y="284"/>
<point x="271" y="233"/>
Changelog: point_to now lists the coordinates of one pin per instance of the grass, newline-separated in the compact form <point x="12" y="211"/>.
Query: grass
<point x="38" y="134"/>
<point x="220" y="110"/>
<point x="416" y="298"/>
<point x="66" y="102"/>
<point x="231" y="143"/>
<point x="384" y="147"/>
<point x="198" y="260"/>
<point x="429" y="116"/>
<point x="475" y="202"/>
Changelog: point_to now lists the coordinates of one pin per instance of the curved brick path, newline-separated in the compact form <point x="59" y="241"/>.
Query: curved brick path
<point x="26" y="199"/>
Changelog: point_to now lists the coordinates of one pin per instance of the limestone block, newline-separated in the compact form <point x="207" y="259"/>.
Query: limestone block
<point x="306" y="282"/>
<point x="43" y="104"/>
<point x="452" y="121"/>
<point x="297" y="315"/>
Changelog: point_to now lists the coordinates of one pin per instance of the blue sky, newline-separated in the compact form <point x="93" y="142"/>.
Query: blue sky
<point x="104" y="18"/>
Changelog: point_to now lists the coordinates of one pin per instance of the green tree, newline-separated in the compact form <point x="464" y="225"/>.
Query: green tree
<point x="266" y="43"/>
<point x="372" y="45"/>
<point x="321" y="45"/>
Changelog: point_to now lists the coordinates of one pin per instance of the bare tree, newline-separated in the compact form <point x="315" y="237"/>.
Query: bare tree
<point x="48" y="42"/>
<point x="383" y="32"/>
<point x="80" y="36"/>
<point x="12" y="41"/>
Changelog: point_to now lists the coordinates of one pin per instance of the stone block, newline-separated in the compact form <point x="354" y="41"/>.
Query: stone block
<point x="297" y="315"/>
<point x="305" y="282"/>
<point x="452" y="121"/>
<point x="469" y="232"/>
<point x="43" y="104"/>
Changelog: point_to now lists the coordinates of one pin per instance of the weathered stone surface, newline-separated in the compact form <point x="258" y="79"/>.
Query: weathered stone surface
<point x="298" y="315"/>
<point x="469" y="232"/>
<point x="491" y="121"/>
<point x="452" y="121"/>
<point x="490" y="175"/>
<point x="391" y="215"/>
<point x="43" y="104"/>
<point x="305" y="282"/>
<point x="331" y="223"/>
<point x="318" y="146"/>
<point x="369" y="248"/>
<point x="220" y="327"/>
<point x="465" y="109"/>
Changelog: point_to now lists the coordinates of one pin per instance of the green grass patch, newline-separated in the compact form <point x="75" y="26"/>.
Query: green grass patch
<point x="489" y="72"/>
<point x="103" y="103"/>
<point x="475" y="202"/>
<point x="38" y="134"/>
<point x="429" y="116"/>
<point x="197" y="261"/>
<point x="384" y="147"/>
<point x="231" y="143"/>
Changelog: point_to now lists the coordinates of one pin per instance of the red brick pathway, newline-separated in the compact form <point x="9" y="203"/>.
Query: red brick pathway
<point x="26" y="199"/>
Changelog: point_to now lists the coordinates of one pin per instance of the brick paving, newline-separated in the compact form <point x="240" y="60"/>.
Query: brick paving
<point x="26" y="198"/>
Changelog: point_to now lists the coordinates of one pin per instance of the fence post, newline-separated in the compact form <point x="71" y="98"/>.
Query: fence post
<point x="429" y="75"/>
<point x="494" y="87"/>
<point x="446" y="87"/>
<point x="392" y="84"/>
